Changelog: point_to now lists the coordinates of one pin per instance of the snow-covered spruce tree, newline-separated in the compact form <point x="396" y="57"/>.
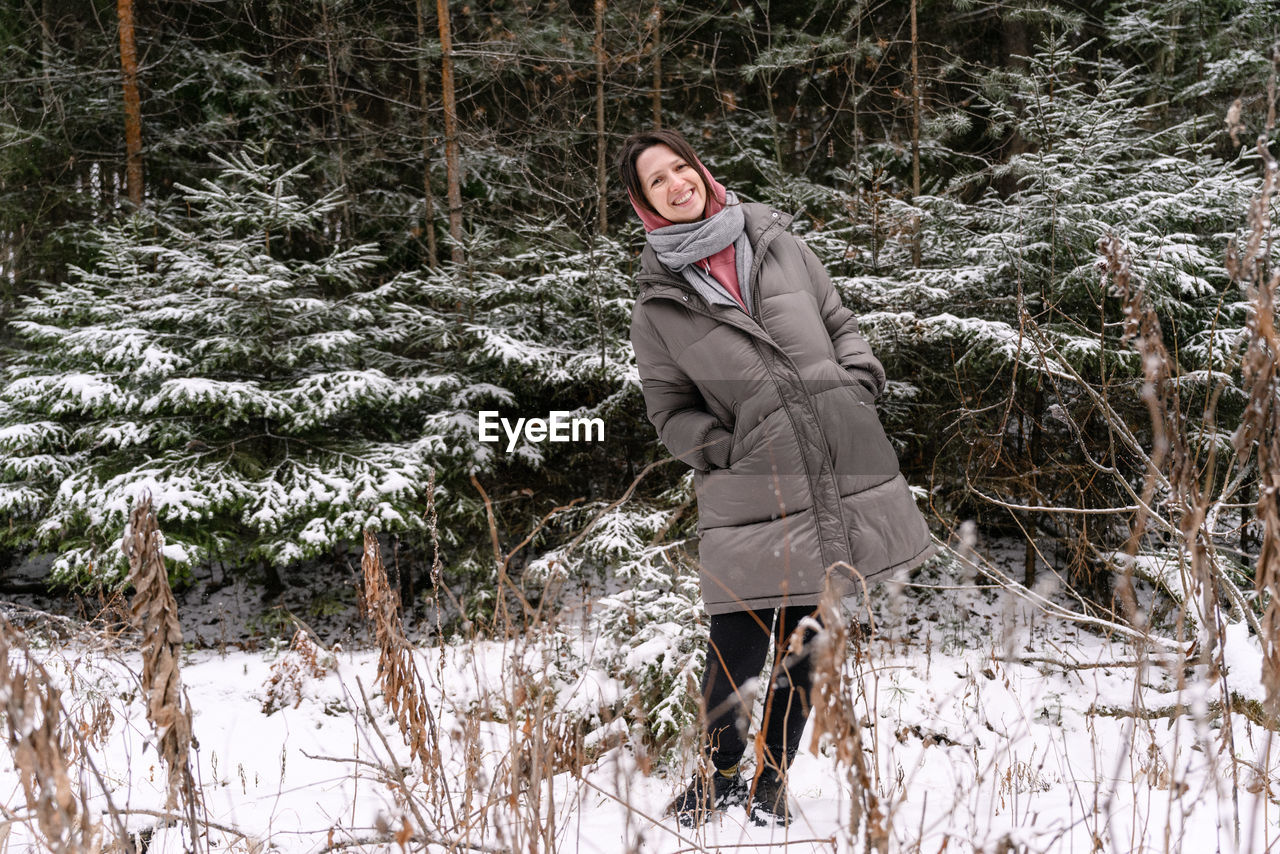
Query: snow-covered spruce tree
<point x="1195" y="55"/>
<point x="649" y="630"/>
<point x="221" y="356"/>
<point x="1007" y="334"/>
<point x="276" y="398"/>
<point x="537" y="328"/>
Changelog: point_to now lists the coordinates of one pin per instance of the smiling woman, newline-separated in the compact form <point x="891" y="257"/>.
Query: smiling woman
<point x="755" y="375"/>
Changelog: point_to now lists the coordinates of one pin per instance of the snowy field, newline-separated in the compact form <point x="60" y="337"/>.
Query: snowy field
<point x="984" y="724"/>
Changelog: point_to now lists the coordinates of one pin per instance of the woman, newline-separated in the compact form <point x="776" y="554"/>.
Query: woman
<point x="755" y="375"/>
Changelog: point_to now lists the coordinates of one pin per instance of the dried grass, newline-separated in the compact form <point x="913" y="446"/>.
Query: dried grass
<point x="398" y="677"/>
<point x="33" y="716"/>
<point x="1172" y="466"/>
<point x="1248" y="264"/>
<point x="304" y="661"/>
<point x="155" y="612"/>
<point x="836" y="724"/>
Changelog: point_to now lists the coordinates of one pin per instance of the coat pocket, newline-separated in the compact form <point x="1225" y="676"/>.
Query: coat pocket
<point x="855" y="437"/>
<point x="861" y="393"/>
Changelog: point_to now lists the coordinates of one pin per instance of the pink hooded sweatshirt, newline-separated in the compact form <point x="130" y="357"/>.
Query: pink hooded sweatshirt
<point x="723" y="265"/>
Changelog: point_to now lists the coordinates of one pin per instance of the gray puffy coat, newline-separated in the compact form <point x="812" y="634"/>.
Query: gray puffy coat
<point x="794" y="476"/>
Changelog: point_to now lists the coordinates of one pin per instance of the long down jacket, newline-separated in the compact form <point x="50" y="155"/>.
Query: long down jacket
<point x="795" y="480"/>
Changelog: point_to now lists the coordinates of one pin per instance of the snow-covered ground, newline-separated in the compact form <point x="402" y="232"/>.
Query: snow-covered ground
<point x="985" y="725"/>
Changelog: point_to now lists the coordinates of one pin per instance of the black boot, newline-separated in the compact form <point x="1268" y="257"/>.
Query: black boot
<point x="704" y="796"/>
<point x="769" y="799"/>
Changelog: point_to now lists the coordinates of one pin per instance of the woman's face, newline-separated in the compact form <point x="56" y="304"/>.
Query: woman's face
<point x="674" y="188"/>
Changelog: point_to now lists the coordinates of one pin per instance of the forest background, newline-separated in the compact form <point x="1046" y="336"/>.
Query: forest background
<point x="267" y="261"/>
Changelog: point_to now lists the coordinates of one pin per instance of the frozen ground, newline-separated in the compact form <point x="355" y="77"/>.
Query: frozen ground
<point x="985" y="725"/>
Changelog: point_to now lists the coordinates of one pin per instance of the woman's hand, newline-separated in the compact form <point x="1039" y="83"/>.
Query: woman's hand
<point x="716" y="448"/>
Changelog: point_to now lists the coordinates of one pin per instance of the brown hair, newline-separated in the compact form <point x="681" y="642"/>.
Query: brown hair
<point x="637" y="143"/>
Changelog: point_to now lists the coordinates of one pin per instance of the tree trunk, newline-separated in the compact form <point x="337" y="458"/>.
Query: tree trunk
<point x="656" y="91"/>
<point x="602" y="222"/>
<point x="452" y="167"/>
<point x="335" y="99"/>
<point x="915" y="134"/>
<point x="428" y="198"/>
<point x="1166" y="64"/>
<point x="1015" y="40"/>
<point x="1034" y="458"/>
<point x="1015" y="44"/>
<point x="132" y="103"/>
<point x="46" y="61"/>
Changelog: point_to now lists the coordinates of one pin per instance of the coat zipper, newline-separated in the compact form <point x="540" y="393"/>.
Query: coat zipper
<point x="765" y="239"/>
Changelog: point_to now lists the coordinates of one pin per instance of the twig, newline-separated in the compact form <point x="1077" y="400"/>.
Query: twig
<point x="655" y="822"/>
<point x="392" y="839"/>
<point x="401" y="773"/>
<point x="167" y="815"/>
<point x="1094" y="665"/>
<point x="1251" y="709"/>
<point x="1058" y="611"/>
<point x="346" y="760"/>
<point x="820" y="840"/>
<point x="626" y="495"/>
<point x="498" y="559"/>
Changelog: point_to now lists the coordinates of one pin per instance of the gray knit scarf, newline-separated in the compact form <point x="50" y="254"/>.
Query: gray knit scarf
<point x="679" y="247"/>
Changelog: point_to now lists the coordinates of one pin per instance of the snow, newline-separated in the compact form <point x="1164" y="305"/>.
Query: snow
<point x="985" y="725"/>
<point x="65" y="393"/>
<point x="1242" y="655"/>
<point x="199" y="395"/>
<point x="18" y="498"/>
<point x="30" y="435"/>
<point x="321" y="397"/>
<point x="657" y="650"/>
<point x="175" y="495"/>
<point x="124" y="434"/>
<point x="176" y="553"/>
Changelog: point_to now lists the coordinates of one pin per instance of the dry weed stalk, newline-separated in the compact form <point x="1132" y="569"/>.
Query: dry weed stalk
<point x="1190" y="481"/>
<point x="544" y="740"/>
<point x="398" y="676"/>
<point x="91" y="720"/>
<point x="1190" y="485"/>
<point x="835" y="722"/>
<point x="1172" y="460"/>
<point x="33" y="719"/>
<point x="155" y="613"/>
<point x="1249" y="265"/>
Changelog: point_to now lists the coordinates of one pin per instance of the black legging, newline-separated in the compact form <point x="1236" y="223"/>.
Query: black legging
<point x="736" y="653"/>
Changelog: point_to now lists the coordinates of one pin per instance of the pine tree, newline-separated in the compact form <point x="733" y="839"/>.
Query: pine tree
<point x="277" y="396"/>
<point x="229" y="365"/>
<point x="1038" y="379"/>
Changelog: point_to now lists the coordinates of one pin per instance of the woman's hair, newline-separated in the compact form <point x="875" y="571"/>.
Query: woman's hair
<point x="636" y="145"/>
